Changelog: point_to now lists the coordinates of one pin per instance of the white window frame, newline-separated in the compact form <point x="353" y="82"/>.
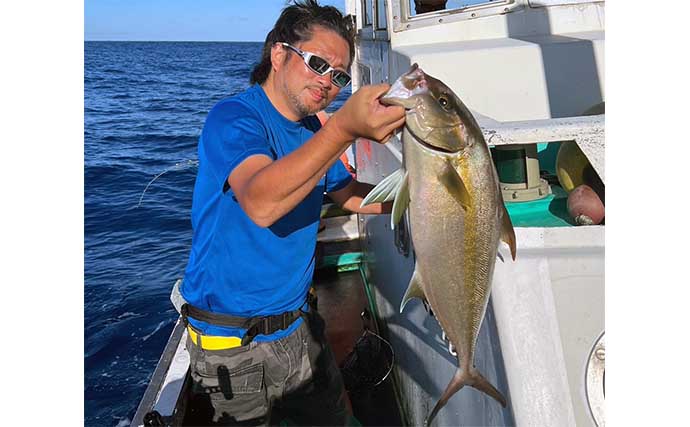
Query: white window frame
<point x="380" y="33"/>
<point x="371" y="31"/>
<point x="376" y="15"/>
<point x="402" y="19"/>
<point x="547" y="3"/>
<point x="366" y="31"/>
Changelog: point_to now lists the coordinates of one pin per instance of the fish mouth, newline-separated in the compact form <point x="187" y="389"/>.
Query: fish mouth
<point x="411" y="91"/>
<point x="421" y="141"/>
<point x="404" y="90"/>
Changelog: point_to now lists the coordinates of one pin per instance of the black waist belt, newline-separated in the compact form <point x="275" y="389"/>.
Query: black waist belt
<point x="263" y="325"/>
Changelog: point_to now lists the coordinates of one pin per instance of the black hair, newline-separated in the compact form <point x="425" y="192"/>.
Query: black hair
<point x="296" y="24"/>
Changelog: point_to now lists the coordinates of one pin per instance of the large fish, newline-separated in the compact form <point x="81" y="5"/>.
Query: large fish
<point x="456" y="213"/>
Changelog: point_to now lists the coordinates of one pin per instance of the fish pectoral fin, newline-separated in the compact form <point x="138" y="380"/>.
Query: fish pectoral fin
<point x="508" y="233"/>
<point x="456" y="187"/>
<point x="414" y="289"/>
<point x="402" y="200"/>
<point x="385" y="190"/>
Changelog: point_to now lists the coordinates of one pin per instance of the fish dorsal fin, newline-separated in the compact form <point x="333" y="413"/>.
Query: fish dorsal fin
<point x="385" y="190"/>
<point x="414" y="289"/>
<point x="402" y="200"/>
<point x="507" y="232"/>
<point x="450" y="179"/>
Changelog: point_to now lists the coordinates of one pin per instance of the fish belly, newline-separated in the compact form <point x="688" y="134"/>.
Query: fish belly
<point x="455" y="249"/>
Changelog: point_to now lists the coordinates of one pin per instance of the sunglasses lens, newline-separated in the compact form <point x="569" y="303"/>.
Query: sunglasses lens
<point x="340" y="78"/>
<point x="319" y="65"/>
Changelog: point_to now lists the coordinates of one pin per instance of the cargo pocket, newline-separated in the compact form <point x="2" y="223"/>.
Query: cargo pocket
<point x="240" y="394"/>
<point x="231" y="381"/>
<point x="205" y="362"/>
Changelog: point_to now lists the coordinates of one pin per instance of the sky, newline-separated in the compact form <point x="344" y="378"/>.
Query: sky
<point x="183" y="20"/>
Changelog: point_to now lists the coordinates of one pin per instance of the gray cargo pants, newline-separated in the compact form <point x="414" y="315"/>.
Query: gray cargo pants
<point x="259" y="384"/>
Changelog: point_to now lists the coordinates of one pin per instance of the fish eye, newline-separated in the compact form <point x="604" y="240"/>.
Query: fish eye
<point x="443" y="101"/>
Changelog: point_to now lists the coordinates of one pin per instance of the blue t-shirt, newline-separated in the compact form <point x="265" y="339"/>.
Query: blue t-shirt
<point x="236" y="267"/>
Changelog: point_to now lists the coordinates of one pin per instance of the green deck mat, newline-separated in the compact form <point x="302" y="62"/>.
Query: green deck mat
<point x="551" y="211"/>
<point x="341" y="262"/>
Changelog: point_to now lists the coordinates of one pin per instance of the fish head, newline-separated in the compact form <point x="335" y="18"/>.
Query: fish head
<point x="435" y="115"/>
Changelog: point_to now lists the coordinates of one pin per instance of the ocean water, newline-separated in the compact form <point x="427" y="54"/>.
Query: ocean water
<point x="144" y="107"/>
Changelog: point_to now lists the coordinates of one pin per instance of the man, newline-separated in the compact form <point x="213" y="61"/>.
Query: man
<point x="264" y="165"/>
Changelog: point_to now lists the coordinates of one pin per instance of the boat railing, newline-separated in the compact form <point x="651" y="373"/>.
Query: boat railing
<point x="586" y="131"/>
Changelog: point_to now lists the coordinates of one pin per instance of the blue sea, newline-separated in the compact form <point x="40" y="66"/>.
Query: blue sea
<point x="144" y="107"/>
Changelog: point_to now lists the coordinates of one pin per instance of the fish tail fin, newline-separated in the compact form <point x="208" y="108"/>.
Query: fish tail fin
<point x="482" y="384"/>
<point x="456" y="383"/>
<point x="459" y="380"/>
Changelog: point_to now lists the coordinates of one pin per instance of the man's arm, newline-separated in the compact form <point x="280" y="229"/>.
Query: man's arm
<point x="267" y="189"/>
<point x="350" y="197"/>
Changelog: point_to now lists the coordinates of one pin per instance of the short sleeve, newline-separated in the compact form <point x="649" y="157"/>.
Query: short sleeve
<point x="337" y="177"/>
<point x="232" y="133"/>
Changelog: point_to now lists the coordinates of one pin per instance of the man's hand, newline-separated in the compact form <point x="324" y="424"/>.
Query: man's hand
<point x="350" y="198"/>
<point x="363" y="115"/>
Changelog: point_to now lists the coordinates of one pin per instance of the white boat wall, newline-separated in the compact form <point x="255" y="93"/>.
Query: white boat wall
<point x="529" y="70"/>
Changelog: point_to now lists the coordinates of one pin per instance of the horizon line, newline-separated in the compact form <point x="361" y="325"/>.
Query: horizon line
<point x="177" y="41"/>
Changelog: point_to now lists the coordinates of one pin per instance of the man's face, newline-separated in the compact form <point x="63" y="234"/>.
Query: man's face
<point x="306" y="91"/>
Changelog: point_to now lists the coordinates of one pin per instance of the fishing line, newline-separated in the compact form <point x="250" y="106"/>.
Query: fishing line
<point x="177" y="166"/>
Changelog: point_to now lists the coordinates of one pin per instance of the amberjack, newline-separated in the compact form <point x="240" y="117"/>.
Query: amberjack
<point x="457" y="217"/>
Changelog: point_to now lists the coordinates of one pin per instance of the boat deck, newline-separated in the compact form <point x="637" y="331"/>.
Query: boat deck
<point x="342" y="299"/>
